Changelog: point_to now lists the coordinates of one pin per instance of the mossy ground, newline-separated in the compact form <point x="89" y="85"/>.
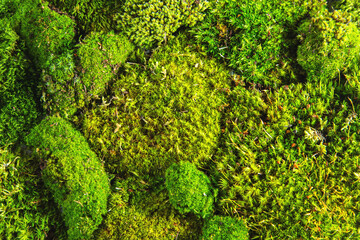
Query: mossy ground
<point x="261" y="97"/>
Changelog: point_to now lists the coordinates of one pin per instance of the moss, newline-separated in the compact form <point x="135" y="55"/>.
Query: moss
<point x="222" y="228"/>
<point x="92" y="15"/>
<point x="286" y="154"/>
<point x="150" y="216"/>
<point x="190" y="190"/>
<point x="166" y="113"/>
<point x="148" y="23"/>
<point x="17" y="107"/>
<point x="73" y="173"/>
<point x="101" y="55"/>
<point x="329" y="44"/>
<point x="26" y="211"/>
<point x="253" y="37"/>
<point x="49" y="38"/>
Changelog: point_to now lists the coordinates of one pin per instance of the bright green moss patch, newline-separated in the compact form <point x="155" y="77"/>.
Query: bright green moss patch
<point x="223" y="228"/>
<point x="25" y="210"/>
<point x="17" y="115"/>
<point x="329" y="44"/>
<point x="147" y="216"/>
<point x="292" y="154"/>
<point x="73" y="173"/>
<point x="156" y="116"/>
<point x="150" y="22"/>
<point x="101" y="55"/>
<point x="190" y="190"/>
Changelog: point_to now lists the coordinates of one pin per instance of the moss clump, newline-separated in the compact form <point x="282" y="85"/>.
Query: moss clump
<point x="253" y="37"/>
<point x="223" y="228"/>
<point x="153" y="117"/>
<point x="190" y="190"/>
<point x="49" y="38"/>
<point x="152" y="22"/>
<point x="101" y="55"/>
<point x="17" y="106"/>
<point x="329" y="44"/>
<point x="140" y="210"/>
<point x="73" y="173"/>
<point x="12" y="60"/>
<point x="280" y="146"/>
<point x="25" y="209"/>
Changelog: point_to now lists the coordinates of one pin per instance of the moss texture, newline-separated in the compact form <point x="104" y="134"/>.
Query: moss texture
<point x="140" y="209"/>
<point x="222" y="228"/>
<point x="148" y="23"/>
<point x="159" y="115"/>
<point x="73" y="173"/>
<point x="190" y="190"/>
<point x="101" y="55"/>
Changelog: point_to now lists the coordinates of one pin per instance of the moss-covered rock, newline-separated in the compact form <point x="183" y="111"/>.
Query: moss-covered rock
<point x="153" y="117"/>
<point x="73" y="173"/>
<point x="190" y="190"/>
<point x="49" y="38"/>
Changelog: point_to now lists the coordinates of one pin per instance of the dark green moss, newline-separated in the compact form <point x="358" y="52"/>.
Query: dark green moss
<point x="251" y="37"/>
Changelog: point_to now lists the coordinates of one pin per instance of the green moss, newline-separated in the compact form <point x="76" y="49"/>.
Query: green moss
<point x="329" y="44"/>
<point x="92" y="15"/>
<point x="148" y="23"/>
<point x="17" y="106"/>
<point x="149" y="217"/>
<point x="25" y="209"/>
<point x="101" y="55"/>
<point x="190" y="190"/>
<point x="49" y="38"/>
<point x="287" y="154"/>
<point x="12" y="60"/>
<point x="169" y="112"/>
<point x="253" y="37"/>
<point x="222" y="228"/>
<point x="74" y="175"/>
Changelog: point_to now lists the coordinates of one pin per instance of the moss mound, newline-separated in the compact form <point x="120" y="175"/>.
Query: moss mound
<point x="190" y="190"/>
<point x="101" y="55"/>
<point x="166" y="113"/>
<point x="73" y="173"/>
<point x="224" y="228"/>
